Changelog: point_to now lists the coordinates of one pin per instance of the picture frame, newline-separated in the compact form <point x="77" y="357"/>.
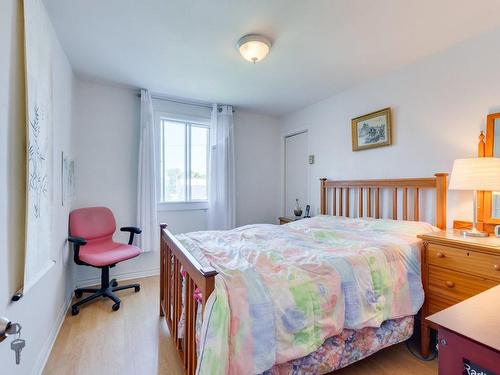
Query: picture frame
<point x="372" y="130"/>
<point x="67" y="179"/>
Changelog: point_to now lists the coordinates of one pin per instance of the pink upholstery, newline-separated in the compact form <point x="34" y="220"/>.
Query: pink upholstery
<point x="97" y="226"/>
<point x="92" y="223"/>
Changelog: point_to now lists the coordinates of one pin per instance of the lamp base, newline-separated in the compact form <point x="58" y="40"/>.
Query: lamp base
<point x="473" y="233"/>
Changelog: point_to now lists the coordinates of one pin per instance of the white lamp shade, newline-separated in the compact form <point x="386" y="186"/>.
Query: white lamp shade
<point x="476" y="174"/>
<point x="254" y="47"/>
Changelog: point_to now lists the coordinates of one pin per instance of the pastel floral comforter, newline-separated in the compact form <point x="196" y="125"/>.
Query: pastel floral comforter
<point x="283" y="290"/>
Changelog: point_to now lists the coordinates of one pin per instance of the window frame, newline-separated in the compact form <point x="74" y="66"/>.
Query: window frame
<point x="196" y="121"/>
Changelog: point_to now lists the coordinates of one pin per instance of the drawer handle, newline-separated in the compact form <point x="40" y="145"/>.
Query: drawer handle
<point x="496" y="267"/>
<point x="450" y="284"/>
<point x="440" y="255"/>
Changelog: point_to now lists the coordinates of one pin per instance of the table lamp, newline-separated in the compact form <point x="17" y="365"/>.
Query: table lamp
<point x="475" y="174"/>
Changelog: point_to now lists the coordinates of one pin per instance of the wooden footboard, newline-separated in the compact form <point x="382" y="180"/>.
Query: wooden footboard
<point x="198" y="278"/>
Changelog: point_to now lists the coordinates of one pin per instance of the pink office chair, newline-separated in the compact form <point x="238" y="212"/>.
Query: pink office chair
<point x="91" y="232"/>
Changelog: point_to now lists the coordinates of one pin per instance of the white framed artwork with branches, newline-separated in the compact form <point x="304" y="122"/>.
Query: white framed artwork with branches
<point x="39" y="132"/>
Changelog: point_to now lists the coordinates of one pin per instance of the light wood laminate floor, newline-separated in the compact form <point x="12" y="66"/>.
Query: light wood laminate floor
<point x="134" y="340"/>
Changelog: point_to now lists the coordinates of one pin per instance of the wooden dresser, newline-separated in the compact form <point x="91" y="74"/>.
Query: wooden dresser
<point x="287" y="219"/>
<point x="455" y="268"/>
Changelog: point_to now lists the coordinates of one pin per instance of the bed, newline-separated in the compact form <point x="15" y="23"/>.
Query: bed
<point x="308" y="297"/>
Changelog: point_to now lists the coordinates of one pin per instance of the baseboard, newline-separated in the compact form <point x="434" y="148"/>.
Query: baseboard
<point x="51" y="339"/>
<point x="120" y="277"/>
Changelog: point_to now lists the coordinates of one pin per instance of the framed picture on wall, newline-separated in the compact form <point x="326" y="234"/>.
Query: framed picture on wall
<point x="372" y="130"/>
<point x="67" y="179"/>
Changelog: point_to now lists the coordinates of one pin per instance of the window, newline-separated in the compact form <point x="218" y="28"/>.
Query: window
<point x="183" y="161"/>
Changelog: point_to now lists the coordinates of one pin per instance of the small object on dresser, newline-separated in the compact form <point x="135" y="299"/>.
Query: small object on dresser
<point x="298" y="210"/>
<point x="497" y="231"/>
<point x="308" y="208"/>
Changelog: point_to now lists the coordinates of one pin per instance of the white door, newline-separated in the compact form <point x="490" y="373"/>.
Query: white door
<point x="296" y="172"/>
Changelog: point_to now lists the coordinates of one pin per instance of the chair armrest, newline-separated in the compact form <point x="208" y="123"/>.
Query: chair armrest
<point x="77" y="242"/>
<point x="132" y="231"/>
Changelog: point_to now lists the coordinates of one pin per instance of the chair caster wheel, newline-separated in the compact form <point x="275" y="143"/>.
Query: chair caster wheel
<point x="114" y="284"/>
<point x="78" y="294"/>
<point x="75" y="310"/>
<point x="116" y="307"/>
<point x="137" y="288"/>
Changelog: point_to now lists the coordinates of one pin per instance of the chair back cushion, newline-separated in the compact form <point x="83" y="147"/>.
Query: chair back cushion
<point x="92" y="223"/>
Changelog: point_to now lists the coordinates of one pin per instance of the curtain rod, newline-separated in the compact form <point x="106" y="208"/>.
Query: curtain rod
<point x="180" y="101"/>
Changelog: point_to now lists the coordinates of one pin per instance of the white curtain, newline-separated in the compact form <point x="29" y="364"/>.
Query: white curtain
<point x="221" y="192"/>
<point x="147" y="218"/>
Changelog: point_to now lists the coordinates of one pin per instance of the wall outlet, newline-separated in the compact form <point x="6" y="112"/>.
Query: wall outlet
<point x="311" y="159"/>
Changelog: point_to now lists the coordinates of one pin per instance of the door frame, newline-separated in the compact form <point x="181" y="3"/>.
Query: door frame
<point x="286" y="135"/>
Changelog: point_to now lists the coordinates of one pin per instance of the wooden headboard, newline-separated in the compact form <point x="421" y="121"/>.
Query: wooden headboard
<point x="369" y="191"/>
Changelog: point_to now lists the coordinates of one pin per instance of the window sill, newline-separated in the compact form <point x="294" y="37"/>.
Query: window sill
<point x="182" y="206"/>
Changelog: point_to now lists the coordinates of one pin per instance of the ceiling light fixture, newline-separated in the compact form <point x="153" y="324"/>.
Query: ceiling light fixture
<point x="254" y="47"/>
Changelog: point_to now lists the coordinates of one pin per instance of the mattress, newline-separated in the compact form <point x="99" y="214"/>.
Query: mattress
<point x="348" y="347"/>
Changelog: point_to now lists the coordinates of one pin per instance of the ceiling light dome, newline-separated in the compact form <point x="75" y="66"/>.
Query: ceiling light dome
<point x="254" y="47"/>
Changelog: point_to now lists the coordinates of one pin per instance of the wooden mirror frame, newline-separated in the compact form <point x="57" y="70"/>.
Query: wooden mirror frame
<point x="485" y="149"/>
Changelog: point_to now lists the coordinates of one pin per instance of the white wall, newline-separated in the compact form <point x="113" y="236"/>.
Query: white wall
<point x="439" y="106"/>
<point x="42" y="308"/>
<point x="106" y="148"/>
<point x="106" y="155"/>
<point x="257" y="155"/>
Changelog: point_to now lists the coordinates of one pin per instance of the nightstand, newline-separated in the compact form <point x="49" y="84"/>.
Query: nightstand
<point x="286" y="220"/>
<point x="469" y="342"/>
<point x="455" y="268"/>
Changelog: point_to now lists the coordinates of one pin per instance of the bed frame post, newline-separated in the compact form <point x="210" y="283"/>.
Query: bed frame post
<point x="197" y="278"/>
<point x="162" y="272"/>
<point x="441" y="189"/>
<point x="323" y="196"/>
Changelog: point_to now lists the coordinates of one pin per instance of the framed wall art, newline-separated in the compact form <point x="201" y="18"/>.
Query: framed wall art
<point x="39" y="138"/>
<point x="372" y="130"/>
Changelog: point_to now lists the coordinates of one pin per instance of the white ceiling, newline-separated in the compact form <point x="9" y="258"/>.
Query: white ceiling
<point x="186" y="48"/>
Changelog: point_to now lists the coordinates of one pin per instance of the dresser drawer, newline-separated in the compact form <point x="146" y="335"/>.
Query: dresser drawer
<point x="455" y="286"/>
<point x="436" y="304"/>
<point x="480" y="264"/>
